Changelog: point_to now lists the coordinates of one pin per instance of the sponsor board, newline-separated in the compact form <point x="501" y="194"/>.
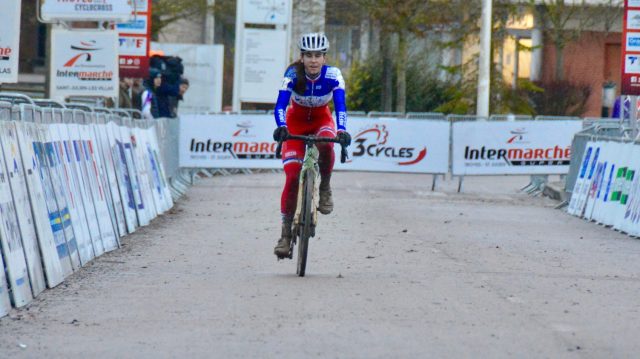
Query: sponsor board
<point x="523" y="147"/>
<point x="614" y="190"/>
<point x="11" y="243"/>
<point x="84" y="64"/>
<point x="633" y="20"/>
<point x="633" y="41"/>
<point x="71" y="192"/>
<point x="632" y="64"/>
<point x="266" y="12"/>
<point x="112" y="187"/>
<point x="139" y="26"/>
<point x="133" y="42"/>
<point x="224" y="141"/>
<point x="17" y="182"/>
<point x="57" y="264"/>
<point x="122" y="174"/>
<point x="203" y="66"/>
<point x="9" y="40"/>
<point x="630" y="56"/>
<point x="52" y="10"/>
<point x="263" y="58"/>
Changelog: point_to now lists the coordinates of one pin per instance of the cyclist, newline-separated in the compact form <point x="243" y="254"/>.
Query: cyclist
<point x="311" y="85"/>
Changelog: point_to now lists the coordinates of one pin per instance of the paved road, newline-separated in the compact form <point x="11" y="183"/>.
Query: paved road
<point x="397" y="271"/>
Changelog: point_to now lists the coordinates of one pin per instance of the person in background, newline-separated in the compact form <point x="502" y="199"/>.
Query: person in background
<point x="183" y="88"/>
<point x="125" y="95"/>
<point x="149" y="98"/>
<point x="136" y="94"/>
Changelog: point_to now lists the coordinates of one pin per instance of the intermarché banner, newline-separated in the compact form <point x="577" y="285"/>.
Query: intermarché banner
<point x="510" y="148"/>
<point x="9" y="40"/>
<point x="84" y="63"/>
<point x="245" y="141"/>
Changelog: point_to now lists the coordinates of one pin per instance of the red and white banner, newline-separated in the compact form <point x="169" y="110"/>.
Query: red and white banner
<point x="134" y="39"/>
<point x="512" y="148"/>
<point x="631" y="48"/>
<point x="245" y="141"/>
<point x="84" y="63"/>
<point x="9" y="40"/>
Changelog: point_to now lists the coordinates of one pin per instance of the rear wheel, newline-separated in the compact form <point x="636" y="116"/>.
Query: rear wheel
<point x="305" y="229"/>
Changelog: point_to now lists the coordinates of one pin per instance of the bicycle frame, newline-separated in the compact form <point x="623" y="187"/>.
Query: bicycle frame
<point x="309" y="169"/>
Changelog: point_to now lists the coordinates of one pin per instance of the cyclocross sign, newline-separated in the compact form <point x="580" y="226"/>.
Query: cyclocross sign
<point x="98" y="10"/>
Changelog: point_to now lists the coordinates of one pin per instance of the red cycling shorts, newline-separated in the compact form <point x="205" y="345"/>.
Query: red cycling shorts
<point x="306" y="121"/>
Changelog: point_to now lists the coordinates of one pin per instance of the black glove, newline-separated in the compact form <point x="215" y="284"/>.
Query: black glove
<point x="344" y="138"/>
<point x="280" y="134"/>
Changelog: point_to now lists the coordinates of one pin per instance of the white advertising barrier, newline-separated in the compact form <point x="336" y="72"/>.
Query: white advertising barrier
<point x="9" y="40"/>
<point x="99" y="166"/>
<point x="17" y="182"/>
<point x="146" y="156"/>
<point x="203" y="66"/>
<point x="5" y="302"/>
<point x="140" y="161"/>
<point x="11" y="244"/>
<point x="386" y="145"/>
<point x="140" y="205"/>
<point x="60" y="200"/>
<point x="86" y="188"/>
<point x="86" y="10"/>
<point x="85" y="219"/>
<point x="161" y="185"/>
<point x="613" y="198"/>
<point x="394" y="145"/>
<point x="109" y="239"/>
<point x="79" y="221"/>
<point x="112" y="187"/>
<point x="581" y="188"/>
<point x="122" y="173"/>
<point x="56" y="177"/>
<point x="55" y="257"/>
<point x="84" y="63"/>
<point x="512" y="148"/>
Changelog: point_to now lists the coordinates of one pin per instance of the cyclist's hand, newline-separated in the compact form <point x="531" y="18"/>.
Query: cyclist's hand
<point x="344" y="138"/>
<point x="280" y="134"/>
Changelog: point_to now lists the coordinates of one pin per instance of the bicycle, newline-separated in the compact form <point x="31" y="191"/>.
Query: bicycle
<point x="306" y="217"/>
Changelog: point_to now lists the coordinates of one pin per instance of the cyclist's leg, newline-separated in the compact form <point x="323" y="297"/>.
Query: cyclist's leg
<point x="326" y="161"/>
<point x="325" y="128"/>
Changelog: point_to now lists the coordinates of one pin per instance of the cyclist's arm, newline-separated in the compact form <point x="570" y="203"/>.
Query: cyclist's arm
<point x="284" y="95"/>
<point x="339" y="100"/>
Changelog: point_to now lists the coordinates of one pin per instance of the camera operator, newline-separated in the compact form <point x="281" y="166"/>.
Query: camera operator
<point x="172" y="88"/>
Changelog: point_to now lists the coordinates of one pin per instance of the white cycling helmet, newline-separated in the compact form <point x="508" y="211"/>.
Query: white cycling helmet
<point x="315" y="41"/>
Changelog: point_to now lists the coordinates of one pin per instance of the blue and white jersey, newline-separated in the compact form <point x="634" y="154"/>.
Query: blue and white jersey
<point x="319" y="92"/>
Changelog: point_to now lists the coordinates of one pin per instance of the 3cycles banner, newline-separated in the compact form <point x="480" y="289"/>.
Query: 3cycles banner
<point x="245" y="141"/>
<point x="513" y="148"/>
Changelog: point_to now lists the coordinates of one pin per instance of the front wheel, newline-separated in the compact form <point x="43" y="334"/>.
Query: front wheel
<point x="305" y="229"/>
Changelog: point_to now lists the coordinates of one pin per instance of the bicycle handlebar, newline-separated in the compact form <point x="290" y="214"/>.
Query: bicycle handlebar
<point x="312" y="139"/>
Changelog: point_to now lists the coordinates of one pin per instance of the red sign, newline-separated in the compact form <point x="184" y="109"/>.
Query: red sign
<point x="134" y="41"/>
<point x="631" y="48"/>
